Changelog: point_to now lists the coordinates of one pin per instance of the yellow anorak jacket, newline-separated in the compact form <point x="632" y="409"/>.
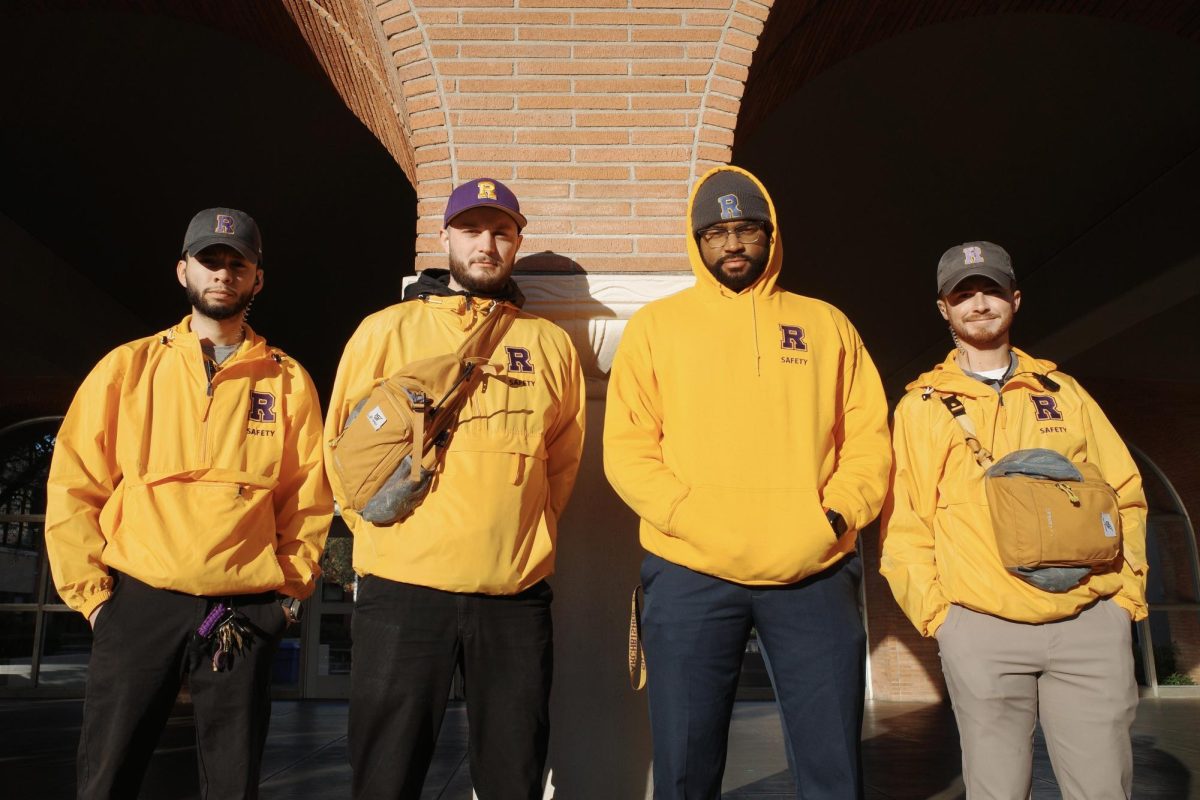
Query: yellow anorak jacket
<point x="205" y="488"/>
<point x="939" y="548"/>
<point x="490" y="522"/>
<point x="733" y="419"/>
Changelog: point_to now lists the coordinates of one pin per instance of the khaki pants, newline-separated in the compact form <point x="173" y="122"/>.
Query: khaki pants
<point x="1075" y="674"/>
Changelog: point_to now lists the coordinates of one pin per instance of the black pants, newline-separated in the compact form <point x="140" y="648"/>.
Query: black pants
<point x="141" y="648"/>
<point x="694" y="630"/>
<point x="407" y="641"/>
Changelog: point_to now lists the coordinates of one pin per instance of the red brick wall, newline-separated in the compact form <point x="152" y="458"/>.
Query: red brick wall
<point x="598" y="114"/>
<point x="904" y="664"/>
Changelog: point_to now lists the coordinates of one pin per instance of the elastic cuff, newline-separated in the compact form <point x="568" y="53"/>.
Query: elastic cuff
<point x="1135" y="612"/>
<point x="295" y="587"/>
<point x="93" y="602"/>
<point x="931" y="628"/>
<point x="838" y="503"/>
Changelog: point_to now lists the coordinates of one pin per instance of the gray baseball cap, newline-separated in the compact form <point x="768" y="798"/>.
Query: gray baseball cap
<point x="226" y="226"/>
<point x="974" y="258"/>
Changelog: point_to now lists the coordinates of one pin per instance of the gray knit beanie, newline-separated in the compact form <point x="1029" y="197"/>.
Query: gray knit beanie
<point x="728" y="195"/>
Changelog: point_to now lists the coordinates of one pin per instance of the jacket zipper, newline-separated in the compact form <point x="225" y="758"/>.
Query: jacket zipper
<point x="204" y="426"/>
<point x="209" y="371"/>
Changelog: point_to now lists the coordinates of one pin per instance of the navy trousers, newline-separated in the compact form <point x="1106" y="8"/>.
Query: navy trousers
<point x="694" y="631"/>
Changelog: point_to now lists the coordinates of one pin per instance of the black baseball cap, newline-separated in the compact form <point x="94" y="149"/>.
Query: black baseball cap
<point x="226" y="226"/>
<point x="974" y="258"/>
<point x="486" y="192"/>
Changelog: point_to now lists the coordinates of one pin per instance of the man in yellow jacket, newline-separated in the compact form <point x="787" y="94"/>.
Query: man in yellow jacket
<point x="187" y="482"/>
<point x="747" y="427"/>
<point x="462" y="580"/>
<point x="1012" y="652"/>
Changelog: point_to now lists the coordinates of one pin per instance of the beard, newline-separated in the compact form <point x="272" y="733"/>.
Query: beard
<point x="737" y="283"/>
<point x="982" y="337"/>
<point x="489" y="283"/>
<point x="218" y="310"/>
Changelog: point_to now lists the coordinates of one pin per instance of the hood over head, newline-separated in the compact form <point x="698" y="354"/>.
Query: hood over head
<point x="721" y="201"/>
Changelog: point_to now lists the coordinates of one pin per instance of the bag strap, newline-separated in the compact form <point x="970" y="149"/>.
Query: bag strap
<point x="480" y="343"/>
<point x="637" y="658"/>
<point x="475" y="351"/>
<point x="983" y="456"/>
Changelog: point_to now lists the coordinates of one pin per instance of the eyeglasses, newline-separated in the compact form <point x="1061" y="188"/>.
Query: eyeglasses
<point x="746" y="234"/>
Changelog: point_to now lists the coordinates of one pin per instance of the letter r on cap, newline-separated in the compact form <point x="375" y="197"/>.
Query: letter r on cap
<point x="972" y="255"/>
<point x="224" y="224"/>
<point x="729" y="206"/>
<point x="487" y="190"/>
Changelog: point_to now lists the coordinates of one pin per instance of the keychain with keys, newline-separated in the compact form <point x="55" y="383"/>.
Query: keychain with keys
<point x="228" y="630"/>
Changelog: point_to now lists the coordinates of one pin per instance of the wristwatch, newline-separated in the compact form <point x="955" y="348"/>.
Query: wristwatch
<point x="292" y="607"/>
<point x="836" y="522"/>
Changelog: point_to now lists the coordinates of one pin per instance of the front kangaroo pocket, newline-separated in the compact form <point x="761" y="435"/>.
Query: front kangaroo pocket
<point x="174" y="529"/>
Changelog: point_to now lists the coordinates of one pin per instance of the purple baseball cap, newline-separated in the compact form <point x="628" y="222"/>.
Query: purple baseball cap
<point x="487" y="192"/>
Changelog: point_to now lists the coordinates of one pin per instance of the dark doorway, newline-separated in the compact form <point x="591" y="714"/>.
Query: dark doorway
<point x="124" y="119"/>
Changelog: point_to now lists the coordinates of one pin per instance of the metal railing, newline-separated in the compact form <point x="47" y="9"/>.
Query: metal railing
<point x="1179" y="512"/>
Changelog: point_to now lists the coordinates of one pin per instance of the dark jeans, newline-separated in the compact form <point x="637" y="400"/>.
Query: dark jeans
<point x="694" y="630"/>
<point x="141" y="648"/>
<point x="407" y="641"/>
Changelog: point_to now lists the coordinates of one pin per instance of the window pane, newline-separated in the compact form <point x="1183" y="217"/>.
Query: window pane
<point x="16" y="648"/>
<point x="25" y="450"/>
<point x="285" y="672"/>
<point x="18" y="567"/>
<point x="66" y="646"/>
<point x="333" y="658"/>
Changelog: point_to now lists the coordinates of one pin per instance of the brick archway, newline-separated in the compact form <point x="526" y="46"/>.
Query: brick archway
<point x="600" y="113"/>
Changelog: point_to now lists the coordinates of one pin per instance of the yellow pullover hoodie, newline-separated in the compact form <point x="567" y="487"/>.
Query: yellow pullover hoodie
<point x="490" y="522"/>
<point x="209" y="487"/>
<point x="939" y="548"/>
<point x="734" y="418"/>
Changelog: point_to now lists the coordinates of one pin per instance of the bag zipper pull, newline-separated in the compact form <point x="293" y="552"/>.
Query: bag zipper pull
<point x="1069" y="492"/>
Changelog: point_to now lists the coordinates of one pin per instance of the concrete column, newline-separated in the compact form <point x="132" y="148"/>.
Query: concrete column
<point x="600" y="733"/>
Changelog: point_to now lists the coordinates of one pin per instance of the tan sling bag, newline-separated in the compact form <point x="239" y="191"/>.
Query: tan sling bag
<point x="1055" y="521"/>
<point x="418" y="406"/>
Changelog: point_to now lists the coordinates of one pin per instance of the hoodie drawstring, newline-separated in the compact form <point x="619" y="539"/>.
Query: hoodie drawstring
<point x="757" y="353"/>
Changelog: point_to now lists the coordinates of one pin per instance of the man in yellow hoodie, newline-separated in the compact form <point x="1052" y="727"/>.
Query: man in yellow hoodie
<point x="187" y="483"/>
<point x="1012" y="653"/>
<point x="747" y="427"/>
<point x="462" y="580"/>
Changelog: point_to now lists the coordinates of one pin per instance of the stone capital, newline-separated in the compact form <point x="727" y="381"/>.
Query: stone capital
<point x="593" y="308"/>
